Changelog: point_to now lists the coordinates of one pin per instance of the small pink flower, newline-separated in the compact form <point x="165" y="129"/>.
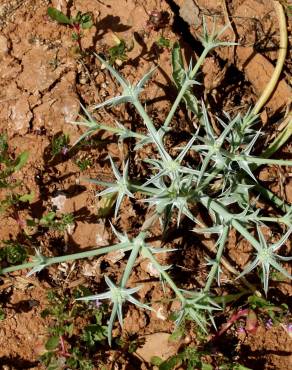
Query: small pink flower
<point x="288" y="329"/>
<point x="240" y="330"/>
<point x="97" y="303"/>
<point x="269" y="324"/>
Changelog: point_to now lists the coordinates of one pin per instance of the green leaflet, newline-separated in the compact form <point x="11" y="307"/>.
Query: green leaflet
<point x="179" y="76"/>
<point x="58" y="16"/>
<point x="21" y="160"/>
<point x="52" y="343"/>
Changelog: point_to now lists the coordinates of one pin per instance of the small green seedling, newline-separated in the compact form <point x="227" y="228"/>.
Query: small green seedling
<point x="8" y="167"/>
<point x="267" y="310"/>
<point x="68" y="342"/>
<point x="51" y="221"/>
<point x="82" y="21"/>
<point x="12" y="200"/>
<point x="163" y="43"/>
<point x="118" y="53"/>
<point x="83" y="164"/>
<point x="12" y="253"/>
<point x="192" y="358"/>
<point x="60" y="145"/>
<point x="2" y="314"/>
<point x="189" y="357"/>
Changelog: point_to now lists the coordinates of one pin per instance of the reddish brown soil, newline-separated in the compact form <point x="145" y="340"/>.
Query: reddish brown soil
<point x="42" y="81"/>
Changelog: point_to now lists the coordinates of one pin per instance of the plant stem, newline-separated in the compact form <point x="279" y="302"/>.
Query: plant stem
<point x="132" y="259"/>
<point x="281" y="139"/>
<point x="153" y="132"/>
<point x="266" y="193"/>
<point x="269" y="219"/>
<point x="184" y="88"/>
<point x="262" y="161"/>
<point x="216" y="266"/>
<point x="221" y="210"/>
<point x="68" y="257"/>
<point x="118" y="131"/>
<point x="266" y="94"/>
<point x="147" y="254"/>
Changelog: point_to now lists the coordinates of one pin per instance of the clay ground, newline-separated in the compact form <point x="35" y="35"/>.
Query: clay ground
<point x="42" y="81"/>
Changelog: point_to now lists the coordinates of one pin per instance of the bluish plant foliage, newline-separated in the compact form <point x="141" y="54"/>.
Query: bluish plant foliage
<point x="221" y="179"/>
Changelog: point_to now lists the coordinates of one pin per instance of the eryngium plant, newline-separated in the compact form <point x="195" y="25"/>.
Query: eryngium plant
<point x="222" y="180"/>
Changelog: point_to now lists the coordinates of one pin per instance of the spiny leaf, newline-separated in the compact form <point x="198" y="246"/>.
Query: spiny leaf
<point x="179" y="75"/>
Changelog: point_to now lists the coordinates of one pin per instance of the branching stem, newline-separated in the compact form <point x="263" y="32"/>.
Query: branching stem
<point x="69" y="257"/>
<point x="147" y="254"/>
<point x="184" y="87"/>
<point x="216" y="265"/>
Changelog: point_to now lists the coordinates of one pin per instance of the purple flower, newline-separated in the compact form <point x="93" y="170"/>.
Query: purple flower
<point x="240" y="329"/>
<point x="288" y="329"/>
<point x="64" y="150"/>
<point x="97" y="303"/>
<point x="269" y="324"/>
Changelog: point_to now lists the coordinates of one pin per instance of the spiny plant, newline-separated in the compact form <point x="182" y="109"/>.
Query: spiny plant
<point x="221" y="180"/>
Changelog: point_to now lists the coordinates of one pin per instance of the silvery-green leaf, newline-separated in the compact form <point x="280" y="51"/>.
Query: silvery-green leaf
<point x="282" y="241"/>
<point x="245" y="166"/>
<point x="179" y="77"/>
<point x="140" y="85"/>
<point x="123" y="238"/>
<point x="114" y="72"/>
<point x="35" y="270"/>
<point x="115" y="101"/>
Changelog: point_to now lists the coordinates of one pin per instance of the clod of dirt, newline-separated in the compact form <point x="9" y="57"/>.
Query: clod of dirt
<point x="138" y="17"/>
<point x="20" y="115"/>
<point x="102" y="235"/>
<point x="157" y="344"/>
<point x="91" y="268"/>
<point x="268" y="343"/>
<point x="59" y="202"/>
<point x="3" y="46"/>
<point x="115" y="256"/>
<point x="161" y="314"/>
<point x="258" y="71"/>
<point x="213" y="73"/>
<point x="38" y="74"/>
<point x="60" y="105"/>
<point x="190" y="13"/>
<point x="148" y="267"/>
